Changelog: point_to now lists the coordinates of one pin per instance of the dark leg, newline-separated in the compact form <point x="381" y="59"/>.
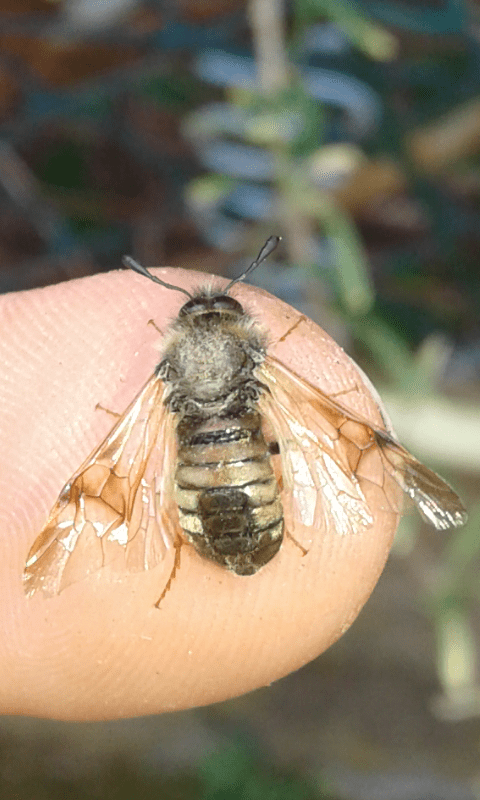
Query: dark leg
<point x="300" y="319"/>
<point x="297" y="544"/>
<point x="99" y="407"/>
<point x="176" y="564"/>
<point x="152" y="322"/>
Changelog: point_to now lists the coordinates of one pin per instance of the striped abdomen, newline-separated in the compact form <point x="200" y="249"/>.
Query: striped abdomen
<point x="227" y="494"/>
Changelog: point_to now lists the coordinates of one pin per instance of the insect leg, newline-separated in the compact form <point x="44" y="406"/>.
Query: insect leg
<point x="178" y="542"/>
<point x="301" y="318"/>
<point x="152" y="322"/>
<point x="297" y="544"/>
<point x="354" y="388"/>
<point x="99" y="407"/>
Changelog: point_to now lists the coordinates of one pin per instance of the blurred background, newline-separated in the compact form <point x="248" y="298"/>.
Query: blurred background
<point x="185" y="132"/>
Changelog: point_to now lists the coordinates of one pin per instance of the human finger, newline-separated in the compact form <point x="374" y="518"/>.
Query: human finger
<point x="101" y="649"/>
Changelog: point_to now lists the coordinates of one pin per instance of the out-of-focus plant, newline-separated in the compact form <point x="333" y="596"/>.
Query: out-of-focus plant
<point x="237" y="773"/>
<point x="267" y="141"/>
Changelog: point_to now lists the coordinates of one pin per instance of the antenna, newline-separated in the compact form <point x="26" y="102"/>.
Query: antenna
<point x="128" y="261"/>
<point x="266" y="250"/>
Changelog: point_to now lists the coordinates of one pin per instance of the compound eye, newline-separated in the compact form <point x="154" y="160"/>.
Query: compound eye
<point x="203" y="304"/>
<point x="223" y="302"/>
<point x="194" y="306"/>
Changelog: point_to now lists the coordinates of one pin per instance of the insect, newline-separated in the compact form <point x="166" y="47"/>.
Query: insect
<point x="192" y="459"/>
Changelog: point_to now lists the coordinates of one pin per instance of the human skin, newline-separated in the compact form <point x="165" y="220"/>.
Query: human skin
<point x="101" y="649"/>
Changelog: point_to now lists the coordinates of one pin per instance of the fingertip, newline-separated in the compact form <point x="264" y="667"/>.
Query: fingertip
<point x="215" y="635"/>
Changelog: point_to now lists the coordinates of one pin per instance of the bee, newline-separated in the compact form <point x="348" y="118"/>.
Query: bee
<point x="192" y="459"/>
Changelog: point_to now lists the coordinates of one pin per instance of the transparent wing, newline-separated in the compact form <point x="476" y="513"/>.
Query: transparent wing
<point x="336" y="465"/>
<point x="118" y="507"/>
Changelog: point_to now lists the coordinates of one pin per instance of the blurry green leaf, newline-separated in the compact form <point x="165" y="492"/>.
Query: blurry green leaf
<point x="206" y="192"/>
<point x="456" y="649"/>
<point x="291" y="115"/>
<point x="353" y="271"/>
<point x="448" y="605"/>
<point x="462" y="551"/>
<point x="432" y="357"/>
<point x="391" y="353"/>
<point x="374" y="40"/>
<point x="235" y="774"/>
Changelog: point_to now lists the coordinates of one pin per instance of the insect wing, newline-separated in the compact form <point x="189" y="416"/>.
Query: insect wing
<point x="110" y="506"/>
<point x="336" y="465"/>
<point x="436" y="501"/>
<point x="320" y="487"/>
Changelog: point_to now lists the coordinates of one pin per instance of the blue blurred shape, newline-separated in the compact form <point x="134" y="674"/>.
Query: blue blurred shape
<point x="325" y="38"/>
<point x="356" y="98"/>
<point x="236" y="160"/>
<point x="250" y="202"/>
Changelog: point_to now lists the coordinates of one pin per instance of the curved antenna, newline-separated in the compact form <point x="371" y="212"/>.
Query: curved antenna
<point x="128" y="261"/>
<point x="267" y="248"/>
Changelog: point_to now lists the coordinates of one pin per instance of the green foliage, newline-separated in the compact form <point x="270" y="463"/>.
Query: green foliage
<point x="235" y="774"/>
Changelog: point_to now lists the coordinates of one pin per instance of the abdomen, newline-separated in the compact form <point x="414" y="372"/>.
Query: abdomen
<point x="227" y="495"/>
